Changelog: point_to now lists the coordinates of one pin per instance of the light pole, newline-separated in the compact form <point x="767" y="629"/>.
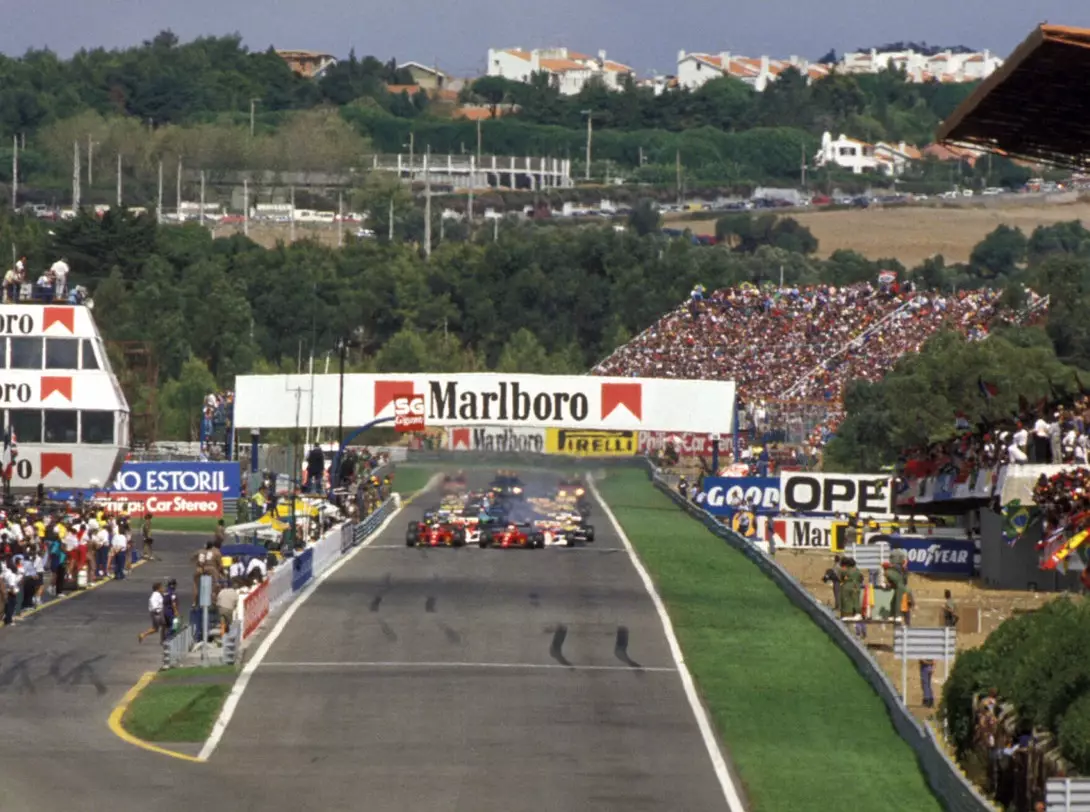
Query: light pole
<point x="590" y="136"/>
<point x="343" y="345"/>
<point x="253" y="110"/>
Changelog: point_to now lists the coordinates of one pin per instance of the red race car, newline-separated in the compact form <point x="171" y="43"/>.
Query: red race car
<point x="435" y="534"/>
<point x="513" y="535"/>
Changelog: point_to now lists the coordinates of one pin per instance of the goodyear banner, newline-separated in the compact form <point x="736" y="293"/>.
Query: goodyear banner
<point x="591" y="443"/>
<point x="933" y="555"/>
<point x="724" y="495"/>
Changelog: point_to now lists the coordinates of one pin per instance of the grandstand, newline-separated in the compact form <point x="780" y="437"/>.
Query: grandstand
<point x="792" y="351"/>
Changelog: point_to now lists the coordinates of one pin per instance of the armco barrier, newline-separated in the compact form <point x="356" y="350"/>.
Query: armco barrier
<point x="947" y="781"/>
<point x="302" y="569"/>
<point x="280" y="586"/>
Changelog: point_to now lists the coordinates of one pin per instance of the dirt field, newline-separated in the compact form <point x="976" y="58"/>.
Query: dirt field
<point x="916" y="233"/>
<point x="981" y="611"/>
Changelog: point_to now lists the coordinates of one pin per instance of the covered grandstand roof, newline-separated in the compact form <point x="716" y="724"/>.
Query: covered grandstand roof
<point x="1035" y="106"/>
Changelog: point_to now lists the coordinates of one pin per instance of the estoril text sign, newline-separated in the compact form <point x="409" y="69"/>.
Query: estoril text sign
<point x="490" y="399"/>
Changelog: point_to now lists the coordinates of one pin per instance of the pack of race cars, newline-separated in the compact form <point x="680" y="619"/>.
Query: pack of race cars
<point x="505" y="515"/>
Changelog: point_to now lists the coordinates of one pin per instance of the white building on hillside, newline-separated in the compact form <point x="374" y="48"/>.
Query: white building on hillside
<point x="861" y="158"/>
<point x="569" y="71"/>
<point x="695" y="69"/>
<point x="945" y="66"/>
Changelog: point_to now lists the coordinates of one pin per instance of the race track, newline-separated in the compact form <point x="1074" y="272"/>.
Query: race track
<point x="475" y="680"/>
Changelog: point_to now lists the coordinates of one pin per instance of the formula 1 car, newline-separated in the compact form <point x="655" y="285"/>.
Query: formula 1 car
<point x="507" y="484"/>
<point x="455" y="483"/>
<point x="565" y="529"/>
<point x="434" y="533"/>
<point x="573" y="491"/>
<point x="512" y="535"/>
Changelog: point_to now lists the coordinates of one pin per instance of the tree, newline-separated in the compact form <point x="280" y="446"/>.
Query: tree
<point x="645" y="219"/>
<point x="1000" y="253"/>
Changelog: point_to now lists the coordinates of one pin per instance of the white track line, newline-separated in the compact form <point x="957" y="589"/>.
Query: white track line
<point x="722" y="772"/>
<point x="233" y="698"/>
<point x="378" y="664"/>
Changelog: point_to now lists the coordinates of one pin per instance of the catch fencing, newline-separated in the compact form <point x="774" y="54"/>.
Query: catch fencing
<point x="944" y="776"/>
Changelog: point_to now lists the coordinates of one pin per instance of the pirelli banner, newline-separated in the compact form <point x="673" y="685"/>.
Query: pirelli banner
<point x="479" y="399"/>
<point x="592" y="443"/>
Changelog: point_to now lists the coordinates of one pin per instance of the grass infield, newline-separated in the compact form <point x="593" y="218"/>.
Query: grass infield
<point x="802" y="727"/>
<point x="170" y="710"/>
<point x="408" y="479"/>
<point x="191" y="524"/>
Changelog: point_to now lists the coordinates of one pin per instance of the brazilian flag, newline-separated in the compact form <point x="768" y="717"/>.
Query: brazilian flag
<point x="1017" y="519"/>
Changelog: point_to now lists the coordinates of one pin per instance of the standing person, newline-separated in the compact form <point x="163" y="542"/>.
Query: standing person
<point x="927" y="671"/>
<point x="30" y="577"/>
<point x="832" y="577"/>
<point x="170" y="606"/>
<point x="950" y="610"/>
<point x="119" y="546"/>
<point x="155" y="610"/>
<point x="58" y="565"/>
<point x="226" y="603"/>
<point x="11" y="586"/>
<point x="148" y="539"/>
<point x="202" y="562"/>
<point x="221" y="533"/>
<point x="896" y="580"/>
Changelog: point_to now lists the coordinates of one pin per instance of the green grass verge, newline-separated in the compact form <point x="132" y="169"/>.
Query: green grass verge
<point x="188" y="524"/>
<point x="408" y="479"/>
<point x="169" y="712"/>
<point x="803" y="728"/>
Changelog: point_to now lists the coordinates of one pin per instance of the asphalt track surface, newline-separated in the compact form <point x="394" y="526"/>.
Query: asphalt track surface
<point x="441" y="679"/>
<point x="61" y="672"/>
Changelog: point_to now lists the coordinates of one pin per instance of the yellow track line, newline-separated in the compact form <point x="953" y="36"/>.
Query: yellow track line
<point x="118" y="729"/>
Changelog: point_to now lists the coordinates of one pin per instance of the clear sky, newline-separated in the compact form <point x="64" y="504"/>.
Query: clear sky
<point x="456" y="34"/>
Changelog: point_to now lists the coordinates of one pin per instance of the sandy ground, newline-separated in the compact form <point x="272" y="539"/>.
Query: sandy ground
<point x="981" y="611"/>
<point x="913" y="234"/>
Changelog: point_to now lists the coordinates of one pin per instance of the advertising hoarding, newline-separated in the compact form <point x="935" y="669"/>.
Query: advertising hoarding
<point x="864" y="494"/>
<point x="591" y="442"/>
<point x="492" y="399"/>
<point x="722" y="495"/>
<point x="496" y="438"/>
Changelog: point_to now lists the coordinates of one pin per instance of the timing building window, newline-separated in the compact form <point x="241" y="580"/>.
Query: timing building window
<point x="61" y="426"/>
<point x="90" y="360"/>
<point x="97" y="428"/>
<point x="26" y="353"/>
<point x="3" y="353"/>
<point x="27" y="424"/>
<point x="62" y="353"/>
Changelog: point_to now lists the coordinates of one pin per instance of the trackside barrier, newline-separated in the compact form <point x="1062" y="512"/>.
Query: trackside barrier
<point x="289" y="579"/>
<point x="1067" y="795"/>
<point x="944" y="776"/>
<point x="177" y="646"/>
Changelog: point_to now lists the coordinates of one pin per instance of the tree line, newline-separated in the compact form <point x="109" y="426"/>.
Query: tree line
<point x="533" y="297"/>
<point x="201" y="93"/>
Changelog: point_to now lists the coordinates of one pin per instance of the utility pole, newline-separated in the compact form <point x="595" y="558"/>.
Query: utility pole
<point x="427" y="204"/>
<point x="340" y="219"/>
<point x="159" y="197"/>
<point x="253" y="117"/>
<point x="677" y="170"/>
<point x="802" y="164"/>
<point x="495" y="229"/>
<point x="75" y="176"/>
<point x="14" y="172"/>
<point x="178" y="192"/>
<point x="119" y="180"/>
<point x="478" y="142"/>
<point x="202" y="199"/>
<point x="412" y="158"/>
<point x="292" y="227"/>
<point x="390" y="237"/>
<point x="90" y="161"/>
<point x="246" y="206"/>
<point x="590" y="137"/>
<point x="469" y="205"/>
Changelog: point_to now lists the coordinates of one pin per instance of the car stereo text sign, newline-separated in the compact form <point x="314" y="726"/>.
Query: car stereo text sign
<point x="164" y="505"/>
<point x="802" y="492"/>
<point x="493" y="399"/>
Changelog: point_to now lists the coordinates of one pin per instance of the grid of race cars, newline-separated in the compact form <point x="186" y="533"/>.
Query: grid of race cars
<point x="506" y="514"/>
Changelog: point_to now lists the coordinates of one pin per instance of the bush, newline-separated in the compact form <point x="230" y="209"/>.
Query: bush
<point x="971" y="675"/>
<point x="1074" y="734"/>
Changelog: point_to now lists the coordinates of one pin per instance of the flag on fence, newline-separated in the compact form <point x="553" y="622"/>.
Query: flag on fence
<point x="10" y="453"/>
<point x="987" y="390"/>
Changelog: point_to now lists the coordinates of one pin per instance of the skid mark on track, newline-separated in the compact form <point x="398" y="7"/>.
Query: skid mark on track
<point x="387" y="631"/>
<point x="376" y="603"/>
<point x="429" y="604"/>
<point x="453" y="637"/>
<point x="535" y="600"/>
<point x="556" y="648"/>
<point x="620" y="649"/>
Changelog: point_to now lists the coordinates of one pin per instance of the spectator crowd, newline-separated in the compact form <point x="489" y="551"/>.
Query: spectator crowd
<point x="799" y="344"/>
<point x="45" y="553"/>
<point x="217" y="422"/>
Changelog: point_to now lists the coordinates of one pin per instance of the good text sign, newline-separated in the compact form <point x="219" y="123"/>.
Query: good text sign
<point x="724" y="495"/>
<point x="835" y="493"/>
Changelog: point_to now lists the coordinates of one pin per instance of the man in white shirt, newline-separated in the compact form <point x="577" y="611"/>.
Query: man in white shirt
<point x="155" y="610"/>
<point x="59" y="270"/>
<point x="12" y="583"/>
<point x="1021" y="439"/>
<point x="257" y="570"/>
<point x="119" y="546"/>
<point x="1042" y="445"/>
